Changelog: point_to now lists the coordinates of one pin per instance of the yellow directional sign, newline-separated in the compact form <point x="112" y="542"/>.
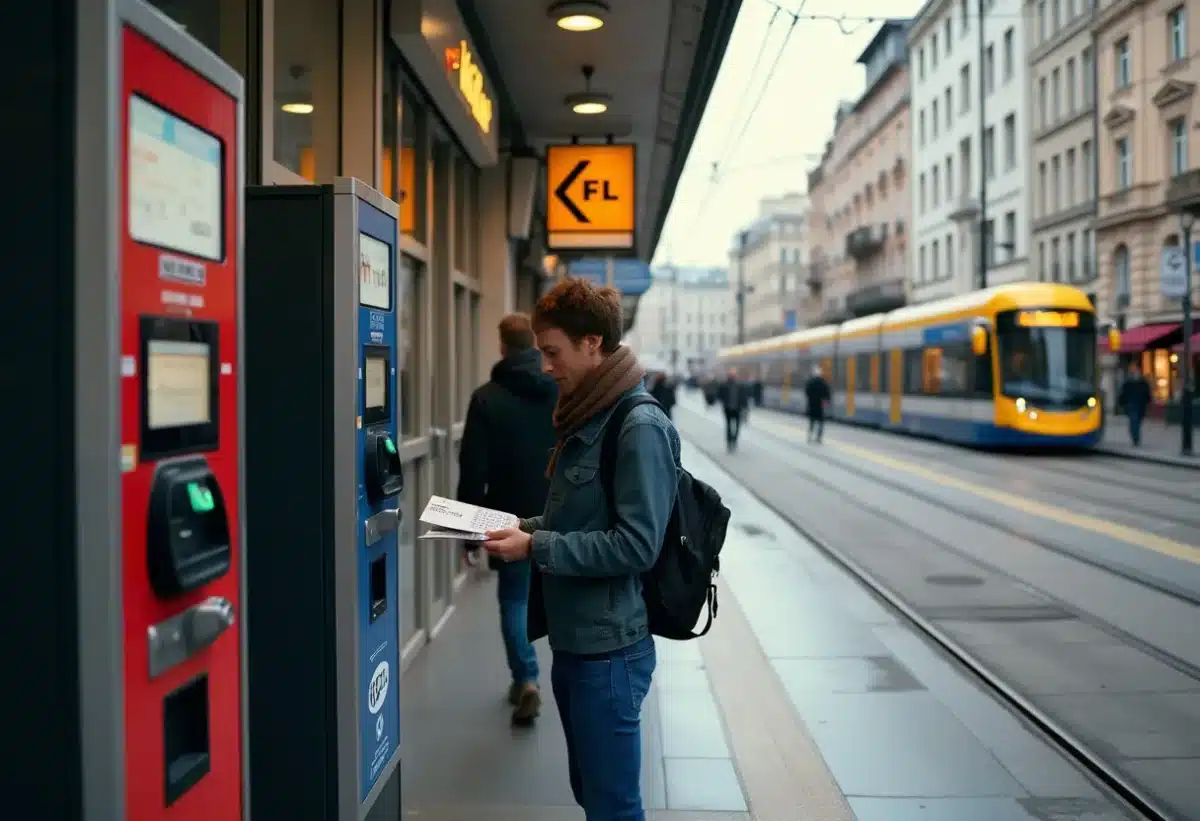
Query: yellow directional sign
<point x="592" y="201"/>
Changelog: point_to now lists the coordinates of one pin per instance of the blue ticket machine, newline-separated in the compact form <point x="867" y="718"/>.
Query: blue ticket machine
<point x="323" y="493"/>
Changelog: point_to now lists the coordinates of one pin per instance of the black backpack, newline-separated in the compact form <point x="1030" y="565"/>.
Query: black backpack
<point x="682" y="582"/>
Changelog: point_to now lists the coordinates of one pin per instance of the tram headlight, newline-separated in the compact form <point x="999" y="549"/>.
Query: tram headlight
<point x="1091" y="401"/>
<point x="1021" y="405"/>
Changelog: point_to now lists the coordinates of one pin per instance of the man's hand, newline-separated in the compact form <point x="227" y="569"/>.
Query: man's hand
<point x="509" y="545"/>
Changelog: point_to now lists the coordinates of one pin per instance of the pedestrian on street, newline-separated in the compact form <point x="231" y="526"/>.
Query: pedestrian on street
<point x="735" y="401"/>
<point x="502" y="465"/>
<point x="1135" y="398"/>
<point x="816" y="391"/>
<point x="590" y="551"/>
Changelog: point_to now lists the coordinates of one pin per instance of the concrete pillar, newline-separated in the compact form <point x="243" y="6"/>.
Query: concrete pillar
<point x="497" y="277"/>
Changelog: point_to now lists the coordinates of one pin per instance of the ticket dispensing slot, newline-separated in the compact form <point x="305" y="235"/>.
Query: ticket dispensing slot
<point x="381" y="460"/>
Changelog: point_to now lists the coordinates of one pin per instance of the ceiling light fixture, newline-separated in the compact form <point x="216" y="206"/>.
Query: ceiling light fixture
<point x="579" y="15"/>
<point x="588" y="101"/>
<point x="297" y="108"/>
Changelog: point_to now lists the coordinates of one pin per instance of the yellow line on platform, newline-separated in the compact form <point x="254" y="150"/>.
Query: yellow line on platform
<point x="1122" y="533"/>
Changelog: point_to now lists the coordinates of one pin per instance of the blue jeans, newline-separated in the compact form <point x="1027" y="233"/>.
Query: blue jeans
<point x="512" y="589"/>
<point x="600" y="702"/>
<point x="1135" y="426"/>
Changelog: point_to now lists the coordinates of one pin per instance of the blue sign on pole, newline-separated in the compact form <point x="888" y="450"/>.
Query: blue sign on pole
<point x="1172" y="273"/>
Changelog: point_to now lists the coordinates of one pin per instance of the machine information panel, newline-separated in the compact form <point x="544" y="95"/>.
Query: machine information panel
<point x="175" y="187"/>
<point x="374" y="273"/>
<point x="177" y="384"/>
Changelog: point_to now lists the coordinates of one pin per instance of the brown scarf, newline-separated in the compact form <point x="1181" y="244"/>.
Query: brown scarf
<point x="620" y="371"/>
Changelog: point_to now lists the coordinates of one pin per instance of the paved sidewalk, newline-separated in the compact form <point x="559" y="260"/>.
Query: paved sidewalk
<point x="1160" y="442"/>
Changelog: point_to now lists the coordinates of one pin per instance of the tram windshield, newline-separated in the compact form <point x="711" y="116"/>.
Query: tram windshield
<point x="1048" y="357"/>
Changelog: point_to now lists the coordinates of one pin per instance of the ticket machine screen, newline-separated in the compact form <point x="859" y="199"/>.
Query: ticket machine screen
<point x="374" y="273"/>
<point x="177" y="383"/>
<point x="375" y="383"/>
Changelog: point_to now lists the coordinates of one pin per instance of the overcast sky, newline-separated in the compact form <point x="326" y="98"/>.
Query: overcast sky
<point x="794" y="117"/>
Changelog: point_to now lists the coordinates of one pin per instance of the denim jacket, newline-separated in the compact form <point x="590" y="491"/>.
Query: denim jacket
<point x="587" y="590"/>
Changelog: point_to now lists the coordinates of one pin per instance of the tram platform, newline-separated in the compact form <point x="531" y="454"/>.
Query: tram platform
<point x="808" y="700"/>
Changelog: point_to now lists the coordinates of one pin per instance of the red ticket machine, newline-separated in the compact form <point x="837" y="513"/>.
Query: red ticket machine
<point x="130" y="309"/>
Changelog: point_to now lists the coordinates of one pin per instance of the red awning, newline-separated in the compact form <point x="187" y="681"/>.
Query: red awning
<point x="1195" y="345"/>
<point x="1139" y="339"/>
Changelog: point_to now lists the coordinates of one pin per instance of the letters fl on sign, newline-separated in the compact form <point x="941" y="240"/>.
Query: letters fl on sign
<point x="592" y="196"/>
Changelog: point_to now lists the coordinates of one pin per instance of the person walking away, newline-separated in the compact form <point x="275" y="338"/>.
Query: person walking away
<point x="502" y="463"/>
<point x="735" y="400"/>
<point x="1135" y="398"/>
<point x="590" y="551"/>
<point x="663" y="391"/>
<point x="816" y="391"/>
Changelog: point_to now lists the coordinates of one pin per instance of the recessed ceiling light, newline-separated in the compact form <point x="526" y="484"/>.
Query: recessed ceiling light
<point x="579" y="15"/>
<point x="297" y="108"/>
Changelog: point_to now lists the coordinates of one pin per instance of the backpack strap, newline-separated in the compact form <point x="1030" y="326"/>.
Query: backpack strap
<point x="608" y="447"/>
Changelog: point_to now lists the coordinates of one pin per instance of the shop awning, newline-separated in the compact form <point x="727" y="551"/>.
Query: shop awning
<point x="1195" y="345"/>
<point x="1135" y="340"/>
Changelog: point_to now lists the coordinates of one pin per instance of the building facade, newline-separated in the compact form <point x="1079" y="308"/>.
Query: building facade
<point x="859" y="193"/>
<point x="769" y="264"/>
<point x="685" y="317"/>
<point x="1147" y="173"/>
<point x="1062" y="76"/>
<point x="970" y="117"/>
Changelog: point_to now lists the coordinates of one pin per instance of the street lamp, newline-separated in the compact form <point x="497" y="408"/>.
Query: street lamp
<point x="1186" y="220"/>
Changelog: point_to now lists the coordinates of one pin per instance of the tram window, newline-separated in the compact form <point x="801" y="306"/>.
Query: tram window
<point x="982" y="384"/>
<point x="885" y="371"/>
<point x="862" y="373"/>
<point x="874" y="373"/>
<point x="912" y="371"/>
<point x="955" y="372"/>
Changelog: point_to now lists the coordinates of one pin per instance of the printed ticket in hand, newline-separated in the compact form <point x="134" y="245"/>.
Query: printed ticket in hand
<point x="462" y="522"/>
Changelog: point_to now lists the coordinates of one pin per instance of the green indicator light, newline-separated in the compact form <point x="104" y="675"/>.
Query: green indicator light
<point x="200" y="497"/>
<point x="391" y="447"/>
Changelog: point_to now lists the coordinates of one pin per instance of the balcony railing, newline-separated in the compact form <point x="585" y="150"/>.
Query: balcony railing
<point x="865" y="241"/>
<point x="885" y="295"/>
<point x="1183" y="192"/>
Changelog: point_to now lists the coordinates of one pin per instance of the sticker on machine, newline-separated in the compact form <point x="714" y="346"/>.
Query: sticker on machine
<point x="377" y="690"/>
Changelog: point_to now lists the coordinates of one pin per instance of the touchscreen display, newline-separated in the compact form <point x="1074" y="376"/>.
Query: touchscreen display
<point x="375" y="382"/>
<point x="174" y="183"/>
<point x="177" y="384"/>
<point x="374" y="273"/>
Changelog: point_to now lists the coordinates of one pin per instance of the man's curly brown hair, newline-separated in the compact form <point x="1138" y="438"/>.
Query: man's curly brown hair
<point x="579" y="308"/>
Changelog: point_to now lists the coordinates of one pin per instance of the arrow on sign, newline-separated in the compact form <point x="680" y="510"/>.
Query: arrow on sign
<point x="568" y="181"/>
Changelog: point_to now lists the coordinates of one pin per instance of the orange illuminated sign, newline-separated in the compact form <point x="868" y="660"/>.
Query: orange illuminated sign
<point x="1048" y="319"/>
<point x="461" y="63"/>
<point x="592" y="199"/>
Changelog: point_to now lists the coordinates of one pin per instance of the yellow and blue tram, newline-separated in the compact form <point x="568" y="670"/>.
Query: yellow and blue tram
<point x="1013" y="365"/>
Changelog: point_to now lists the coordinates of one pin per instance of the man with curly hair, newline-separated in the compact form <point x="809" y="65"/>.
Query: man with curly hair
<point x="589" y="551"/>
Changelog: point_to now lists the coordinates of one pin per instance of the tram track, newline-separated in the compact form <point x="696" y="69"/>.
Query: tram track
<point x="1067" y="742"/>
<point x="995" y="466"/>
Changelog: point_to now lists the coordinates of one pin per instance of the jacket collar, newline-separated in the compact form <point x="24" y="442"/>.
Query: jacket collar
<point x="590" y="432"/>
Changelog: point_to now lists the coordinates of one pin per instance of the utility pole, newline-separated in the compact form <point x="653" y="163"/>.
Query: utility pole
<point x="741" y="288"/>
<point x="1187" y="221"/>
<point x="983" y="167"/>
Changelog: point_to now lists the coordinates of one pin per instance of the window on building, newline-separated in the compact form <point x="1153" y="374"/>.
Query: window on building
<point x="949" y="107"/>
<point x="1042" y="185"/>
<point x="1041" y="261"/>
<point x="1179" y="146"/>
<point x="1055" y="183"/>
<point x="949" y="178"/>
<point x="946" y="36"/>
<point x="1056" y="83"/>
<point x="989" y="152"/>
<point x="933" y="119"/>
<point x="1070" y="274"/>
<point x="1087" y="253"/>
<point x="933" y="53"/>
<point x="1043" y="103"/>
<point x="949" y="256"/>
<point x="1043" y="30"/>
<point x="1124" y="163"/>
<point x="1072" y="87"/>
<point x="1177" y="33"/>
<point x="921" y="63"/>
<point x="1089" y="170"/>
<point x="1010" y="142"/>
<point x="964" y="89"/>
<point x="1121" y="269"/>
<point x="921" y="128"/>
<point x="1009" y="59"/>
<point x="1010" y="232"/>
<point x="1055" y="270"/>
<point x="1056" y="14"/>
<point x="921" y="196"/>
<point x="1123" y="68"/>
<point x="989" y="69"/>
<point x="936" y="185"/>
<point x="921" y="265"/>
<point x="1087" y="74"/>
<point x="935" y="258"/>
<point x="964" y="14"/>
<point x="989" y="242"/>
<point x="964" y="162"/>
<point x="1071" y="191"/>
<point x="305" y="105"/>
